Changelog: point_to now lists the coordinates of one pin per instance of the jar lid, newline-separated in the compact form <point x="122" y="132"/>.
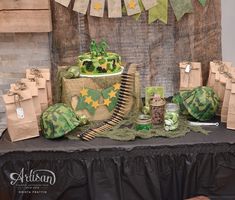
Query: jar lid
<point x="143" y="119"/>
<point x="157" y="101"/>
<point x="172" y="107"/>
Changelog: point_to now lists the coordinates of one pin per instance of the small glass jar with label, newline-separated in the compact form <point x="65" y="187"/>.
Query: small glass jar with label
<point x="143" y="122"/>
<point x="171" y="117"/>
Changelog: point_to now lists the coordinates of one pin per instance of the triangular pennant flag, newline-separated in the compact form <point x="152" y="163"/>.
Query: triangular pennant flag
<point x="137" y="16"/>
<point x="97" y="8"/>
<point x="202" y="2"/>
<point x="132" y="7"/>
<point x="160" y="11"/>
<point x="149" y="4"/>
<point x="114" y="8"/>
<point x="81" y="6"/>
<point x="181" y="7"/>
<point x="63" y="2"/>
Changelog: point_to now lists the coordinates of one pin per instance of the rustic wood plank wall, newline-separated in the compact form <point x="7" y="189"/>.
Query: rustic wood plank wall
<point x="25" y="16"/>
<point x="156" y="48"/>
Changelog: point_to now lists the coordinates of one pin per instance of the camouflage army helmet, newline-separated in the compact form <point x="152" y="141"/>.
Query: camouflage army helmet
<point x="202" y="103"/>
<point x="179" y="98"/>
<point x="58" y="120"/>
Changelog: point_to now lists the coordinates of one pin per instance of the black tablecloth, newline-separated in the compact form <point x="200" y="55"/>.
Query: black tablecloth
<point x="104" y="169"/>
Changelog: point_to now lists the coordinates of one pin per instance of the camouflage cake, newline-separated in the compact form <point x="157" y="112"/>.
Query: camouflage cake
<point x="98" y="61"/>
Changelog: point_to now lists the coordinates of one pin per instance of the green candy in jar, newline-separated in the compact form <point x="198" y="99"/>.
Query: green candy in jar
<point x="171" y="117"/>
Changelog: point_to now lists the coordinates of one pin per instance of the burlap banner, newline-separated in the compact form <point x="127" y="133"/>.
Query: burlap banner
<point x="157" y="9"/>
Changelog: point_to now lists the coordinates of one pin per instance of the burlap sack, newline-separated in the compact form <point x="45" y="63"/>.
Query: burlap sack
<point x="71" y="91"/>
<point x="21" y="117"/>
<point x="190" y="75"/>
<point x="45" y="72"/>
<point x="228" y="87"/>
<point x="231" y="108"/>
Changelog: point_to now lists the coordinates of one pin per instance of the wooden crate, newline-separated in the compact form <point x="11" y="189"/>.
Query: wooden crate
<point x="25" y="16"/>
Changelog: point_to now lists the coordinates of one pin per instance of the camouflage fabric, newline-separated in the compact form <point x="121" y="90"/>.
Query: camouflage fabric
<point x="202" y="103"/>
<point x="178" y="99"/>
<point x="58" y="120"/>
<point x="110" y="63"/>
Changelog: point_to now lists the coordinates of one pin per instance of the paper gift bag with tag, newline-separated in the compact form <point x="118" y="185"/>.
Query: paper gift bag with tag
<point x="190" y="75"/>
<point x="214" y="75"/>
<point x="42" y="91"/>
<point x="231" y="108"/>
<point x="227" y="93"/>
<point x="21" y="116"/>
<point x="42" y="73"/>
<point x="34" y="92"/>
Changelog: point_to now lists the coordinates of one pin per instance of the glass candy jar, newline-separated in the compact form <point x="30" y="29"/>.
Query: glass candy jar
<point x="171" y="117"/>
<point x="143" y="122"/>
<point x="157" y="109"/>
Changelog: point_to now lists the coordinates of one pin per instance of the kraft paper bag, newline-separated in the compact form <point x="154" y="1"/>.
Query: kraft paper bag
<point x="34" y="92"/>
<point x="21" y="116"/>
<point x="214" y="74"/>
<point x="227" y="93"/>
<point x="42" y="73"/>
<point x="42" y="91"/>
<point x="231" y="108"/>
<point x="190" y="75"/>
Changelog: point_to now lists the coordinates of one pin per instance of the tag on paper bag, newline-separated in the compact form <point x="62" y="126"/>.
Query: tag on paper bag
<point x="190" y="75"/>
<point x="21" y="117"/>
<point x="231" y="109"/>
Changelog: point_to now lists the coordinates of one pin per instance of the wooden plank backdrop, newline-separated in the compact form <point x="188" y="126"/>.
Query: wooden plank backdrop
<point x="25" y="16"/>
<point x="156" y="48"/>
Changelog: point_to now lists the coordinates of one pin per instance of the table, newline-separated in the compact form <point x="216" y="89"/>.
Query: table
<point x="104" y="169"/>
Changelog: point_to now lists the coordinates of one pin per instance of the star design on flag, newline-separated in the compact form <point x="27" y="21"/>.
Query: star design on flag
<point x="88" y="100"/>
<point x="112" y="94"/>
<point x="107" y="102"/>
<point x="97" y="6"/>
<point x="117" y="86"/>
<point x="83" y="92"/>
<point x="95" y="104"/>
<point x="132" y="4"/>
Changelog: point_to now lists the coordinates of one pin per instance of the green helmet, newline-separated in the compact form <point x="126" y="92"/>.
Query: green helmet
<point x="58" y="120"/>
<point x="202" y="103"/>
<point x="179" y="98"/>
